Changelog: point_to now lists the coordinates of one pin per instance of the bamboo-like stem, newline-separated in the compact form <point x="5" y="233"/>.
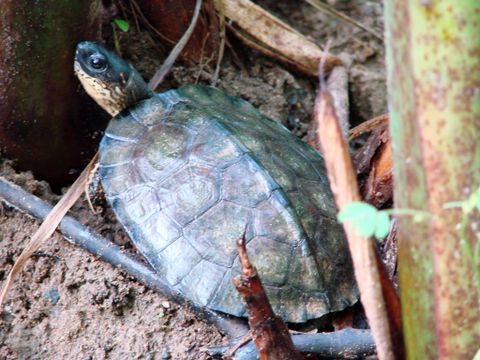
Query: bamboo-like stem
<point x="433" y="65"/>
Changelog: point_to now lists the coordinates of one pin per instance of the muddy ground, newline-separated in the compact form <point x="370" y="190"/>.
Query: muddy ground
<point x="68" y="305"/>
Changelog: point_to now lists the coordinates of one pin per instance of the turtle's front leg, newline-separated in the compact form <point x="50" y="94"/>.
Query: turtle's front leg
<point x="93" y="188"/>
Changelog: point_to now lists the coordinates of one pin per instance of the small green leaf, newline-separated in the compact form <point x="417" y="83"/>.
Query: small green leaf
<point x="366" y="219"/>
<point x="122" y="24"/>
<point x="383" y="225"/>
<point x="355" y="210"/>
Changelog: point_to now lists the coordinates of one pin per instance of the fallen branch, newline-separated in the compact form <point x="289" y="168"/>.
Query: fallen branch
<point x="337" y="85"/>
<point x="356" y="342"/>
<point x="385" y="327"/>
<point x="269" y="332"/>
<point x="264" y="32"/>
<point x="347" y="344"/>
<point x="75" y="233"/>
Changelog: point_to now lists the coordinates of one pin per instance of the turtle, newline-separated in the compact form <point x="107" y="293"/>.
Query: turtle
<point x="190" y="170"/>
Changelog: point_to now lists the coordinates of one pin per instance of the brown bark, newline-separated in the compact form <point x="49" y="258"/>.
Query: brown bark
<point x="337" y="86"/>
<point x="373" y="163"/>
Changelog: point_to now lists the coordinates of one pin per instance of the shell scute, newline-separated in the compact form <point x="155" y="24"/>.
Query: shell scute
<point x="226" y="296"/>
<point x="186" y="257"/>
<point x="204" y="277"/>
<point x="245" y="183"/>
<point x="214" y="147"/>
<point x="162" y="151"/>
<point x="140" y="203"/>
<point x="122" y="128"/>
<point x="117" y="180"/>
<point x="214" y="233"/>
<point x="277" y="221"/>
<point x="189" y="193"/>
<point x="271" y="258"/>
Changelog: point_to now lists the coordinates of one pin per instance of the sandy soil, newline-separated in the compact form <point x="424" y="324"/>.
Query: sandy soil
<point x="68" y="305"/>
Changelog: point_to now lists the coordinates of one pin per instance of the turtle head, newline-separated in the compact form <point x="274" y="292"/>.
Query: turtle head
<point x="112" y="82"/>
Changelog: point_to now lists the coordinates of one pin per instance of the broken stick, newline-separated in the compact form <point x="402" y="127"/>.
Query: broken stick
<point x="269" y="332"/>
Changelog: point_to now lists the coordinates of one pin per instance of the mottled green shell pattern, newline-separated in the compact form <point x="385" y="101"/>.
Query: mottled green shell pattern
<point x="189" y="170"/>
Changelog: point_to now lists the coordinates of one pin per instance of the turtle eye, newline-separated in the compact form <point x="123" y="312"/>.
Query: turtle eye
<point x="98" y="62"/>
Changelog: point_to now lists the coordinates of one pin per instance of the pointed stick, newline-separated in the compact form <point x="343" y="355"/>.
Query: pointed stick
<point x="269" y="332"/>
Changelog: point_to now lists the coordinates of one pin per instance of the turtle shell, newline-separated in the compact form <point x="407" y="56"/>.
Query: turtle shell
<point x="189" y="170"/>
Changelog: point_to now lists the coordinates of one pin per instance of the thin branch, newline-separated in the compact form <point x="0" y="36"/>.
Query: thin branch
<point x="347" y="344"/>
<point x="172" y="57"/>
<point x="337" y="85"/>
<point x="368" y="126"/>
<point x="140" y="13"/>
<point x="221" y="14"/>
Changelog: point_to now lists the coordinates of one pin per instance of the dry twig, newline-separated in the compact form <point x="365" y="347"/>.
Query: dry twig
<point x="369" y="125"/>
<point x="337" y="85"/>
<point x="269" y="332"/>
<point x="346" y="344"/>
<point x="222" y="33"/>
<point x="168" y="63"/>
<point x="373" y="163"/>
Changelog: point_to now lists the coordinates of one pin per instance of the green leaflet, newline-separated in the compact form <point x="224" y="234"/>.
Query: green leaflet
<point x="367" y="220"/>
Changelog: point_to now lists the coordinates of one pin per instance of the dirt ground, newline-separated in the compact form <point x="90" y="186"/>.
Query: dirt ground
<point x="68" y="305"/>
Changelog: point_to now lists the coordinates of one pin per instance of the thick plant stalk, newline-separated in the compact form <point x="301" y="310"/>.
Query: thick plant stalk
<point x="433" y="63"/>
